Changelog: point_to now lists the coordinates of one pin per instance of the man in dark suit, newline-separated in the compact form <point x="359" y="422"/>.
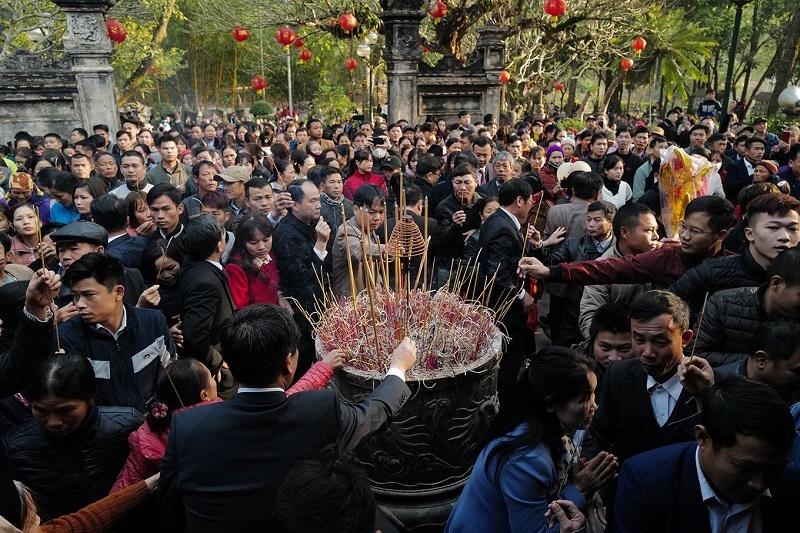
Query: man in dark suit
<point x="205" y="298"/>
<point x="740" y="175"/>
<point x="301" y="239"/>
<point x="224" y="462"/>
<point x="643" y="399"/>
<point x="112" y="213"/>
<point x="502" y="244"/>
<point x="728" y="480"/>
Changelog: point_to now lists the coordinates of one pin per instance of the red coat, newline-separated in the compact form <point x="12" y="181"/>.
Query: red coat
<point x="248" y="289"/>
<point x="357" y="179"/>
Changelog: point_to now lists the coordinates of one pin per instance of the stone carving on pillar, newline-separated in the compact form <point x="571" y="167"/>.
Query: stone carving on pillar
<point x="401" y="19"/>
<point x="90" y="51"/>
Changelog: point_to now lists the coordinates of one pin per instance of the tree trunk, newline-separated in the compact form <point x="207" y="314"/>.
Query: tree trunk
<point x="572" y="88"/>
<point x="751" y="56"/>
<point x="787" y="61"/>
<point x="610" y="90"/>
<point x="140" y="73"/>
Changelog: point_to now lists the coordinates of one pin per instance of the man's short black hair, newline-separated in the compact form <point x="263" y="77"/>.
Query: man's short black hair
<point x="131" y="120"/>
<point x="465" y="169"/>
<point x="255" y="183"/>
<point x="101" y="127"/>
<point x="629" y="216"/>
<point x="295" y="189"/>
<point x="313" y="495"/>
<point x="366" y="195"/>
<point x="413" y="194"/>
<point x="700" y="126"/>
<point x="586" y="185"/>
<point x="88" y="144"/>
<point x="164" y="189"/>
<point x="651" y="304"/>
<point x="201" y="236"/>
<point x="482" y="141"/>
<point x="166" y="139"/>
<point x="771" y="204"/>
<point x="786" y="265"/>
<point x="104" y="269"/>
<point x="719" y="210"/>
<point x="753" y="140"/>
<point x="255" y="342"/>
<point x="132" y="153"/>
<point x="204" y="163"/>
<point x="777" y="337"/>
<point x="739" y="406"/>
<point x="110" y="212"/>
<point x="611" y="318"/>
<point x="513" y="189"/>
<point x="607" y="208"/>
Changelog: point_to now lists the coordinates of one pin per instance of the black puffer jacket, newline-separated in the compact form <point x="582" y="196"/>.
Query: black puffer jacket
<point x="732" y="318"/>
<point x="69" y="473"/>
<point x="717" y="274"/>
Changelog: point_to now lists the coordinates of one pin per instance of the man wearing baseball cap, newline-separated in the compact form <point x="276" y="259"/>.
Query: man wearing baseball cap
<point x="760" y="131"/>
<point x="233" y="180"/>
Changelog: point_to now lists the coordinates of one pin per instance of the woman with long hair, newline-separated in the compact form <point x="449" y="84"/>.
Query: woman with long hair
<point x="252" y="270"/>
<point x="362" y="175"/>
<point x="527" y="459"/>
<point x="85" y="193"/>
<point x="615" y="190"/>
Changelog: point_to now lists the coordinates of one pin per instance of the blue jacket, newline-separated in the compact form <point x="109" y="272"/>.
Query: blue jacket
<point x="527" y="484"/>
<point x="659" y="492"/>
<point x="125" y="367"/>
<point x="127" y="249"/>
<point x="788" y="175"/>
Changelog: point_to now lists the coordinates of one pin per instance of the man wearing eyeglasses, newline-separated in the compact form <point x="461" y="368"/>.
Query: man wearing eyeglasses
<point x="704" y="226"/>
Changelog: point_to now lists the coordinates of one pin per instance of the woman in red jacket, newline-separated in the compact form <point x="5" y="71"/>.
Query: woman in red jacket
<point x="252" y="270"/>
<point x="363" y="174"/>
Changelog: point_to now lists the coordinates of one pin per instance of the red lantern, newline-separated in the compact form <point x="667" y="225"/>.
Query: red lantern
<point x="300" y="42"/>
<point x="240" y="34"/>
<point x="285" y="36"/>
<point x="638" y="45"/>
<point x="348" y="22"/>
<point x="558" y="86"/>
<point x="438" y="11"/>
<point x="504" y="76"/>
<point x="350" y="64"/>
<point x="305" y="55"/>
<point x="626" y="64"/>
<point x="258" y="83"/>
<point x="115" y="31"/>
<point x="555" y="8"/>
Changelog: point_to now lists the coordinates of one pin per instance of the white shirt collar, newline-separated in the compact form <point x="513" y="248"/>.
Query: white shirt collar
<point x="215" y="263"/>
<point x="513" y="218"/>
<point x="672" y="386"/>
<point x="115" y="237"/>
<point x="122" y="324"/>
<point x="259" y="389"/>
<point x="709" y="496"/>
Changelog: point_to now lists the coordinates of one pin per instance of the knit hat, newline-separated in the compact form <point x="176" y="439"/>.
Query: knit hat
<point x="183" y="154"/>
<point x="771" y="166"/>
<point x="567" y="141"/>
<point x="21" y="180"/>
<point x="554" y="148"/>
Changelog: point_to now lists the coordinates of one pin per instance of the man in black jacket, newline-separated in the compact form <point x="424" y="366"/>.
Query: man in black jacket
<point x="301" y="239"/>
<point x="733" y="317"/>
<point x="219" y="472"/>
<point x="205" y="298"/>
<point x="740" y="175"/>
<point x="34" y="333"/>
<point x="502" y="244"/>
<point x="773" y="225"/>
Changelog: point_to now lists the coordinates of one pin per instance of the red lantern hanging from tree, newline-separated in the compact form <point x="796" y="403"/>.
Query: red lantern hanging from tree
<point x="348" y="22"/>
<point x="285" y="36"/>
<point x="240" y="34"/>
<point x="115" y="31"/>
<point x="558" y="86"/>
<point x="626" y="64"/>
<point x="351" y="64"/>
<point x="258" y="83"/>
<point x="305" y="55"/>
<point x="438" y="11"/>
<point x="300" y="42"/>
<point x="638" y="45"/>
<point x="555" y="8"/>
<point x="504" y="76"/>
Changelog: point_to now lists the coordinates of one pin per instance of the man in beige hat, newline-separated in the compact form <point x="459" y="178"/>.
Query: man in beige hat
<point x="233" y="180"/>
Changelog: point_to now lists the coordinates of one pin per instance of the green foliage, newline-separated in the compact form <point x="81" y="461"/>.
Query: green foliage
<point x="161" y="110"/>
<point x="332" y="104"/>
<point x="571" y="123"/>
<point x="261" y="109"/>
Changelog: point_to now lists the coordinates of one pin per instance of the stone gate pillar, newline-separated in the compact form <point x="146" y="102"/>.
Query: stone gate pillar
<point x="401" y="19"/>
<point x="90" y="50"/>
<point x="492" y="46"/>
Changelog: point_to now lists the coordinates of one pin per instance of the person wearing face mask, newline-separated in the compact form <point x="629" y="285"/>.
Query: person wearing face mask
<point x="554" y="156"/>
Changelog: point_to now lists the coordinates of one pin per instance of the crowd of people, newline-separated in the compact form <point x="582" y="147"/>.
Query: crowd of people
<point x="160" y="284"/>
